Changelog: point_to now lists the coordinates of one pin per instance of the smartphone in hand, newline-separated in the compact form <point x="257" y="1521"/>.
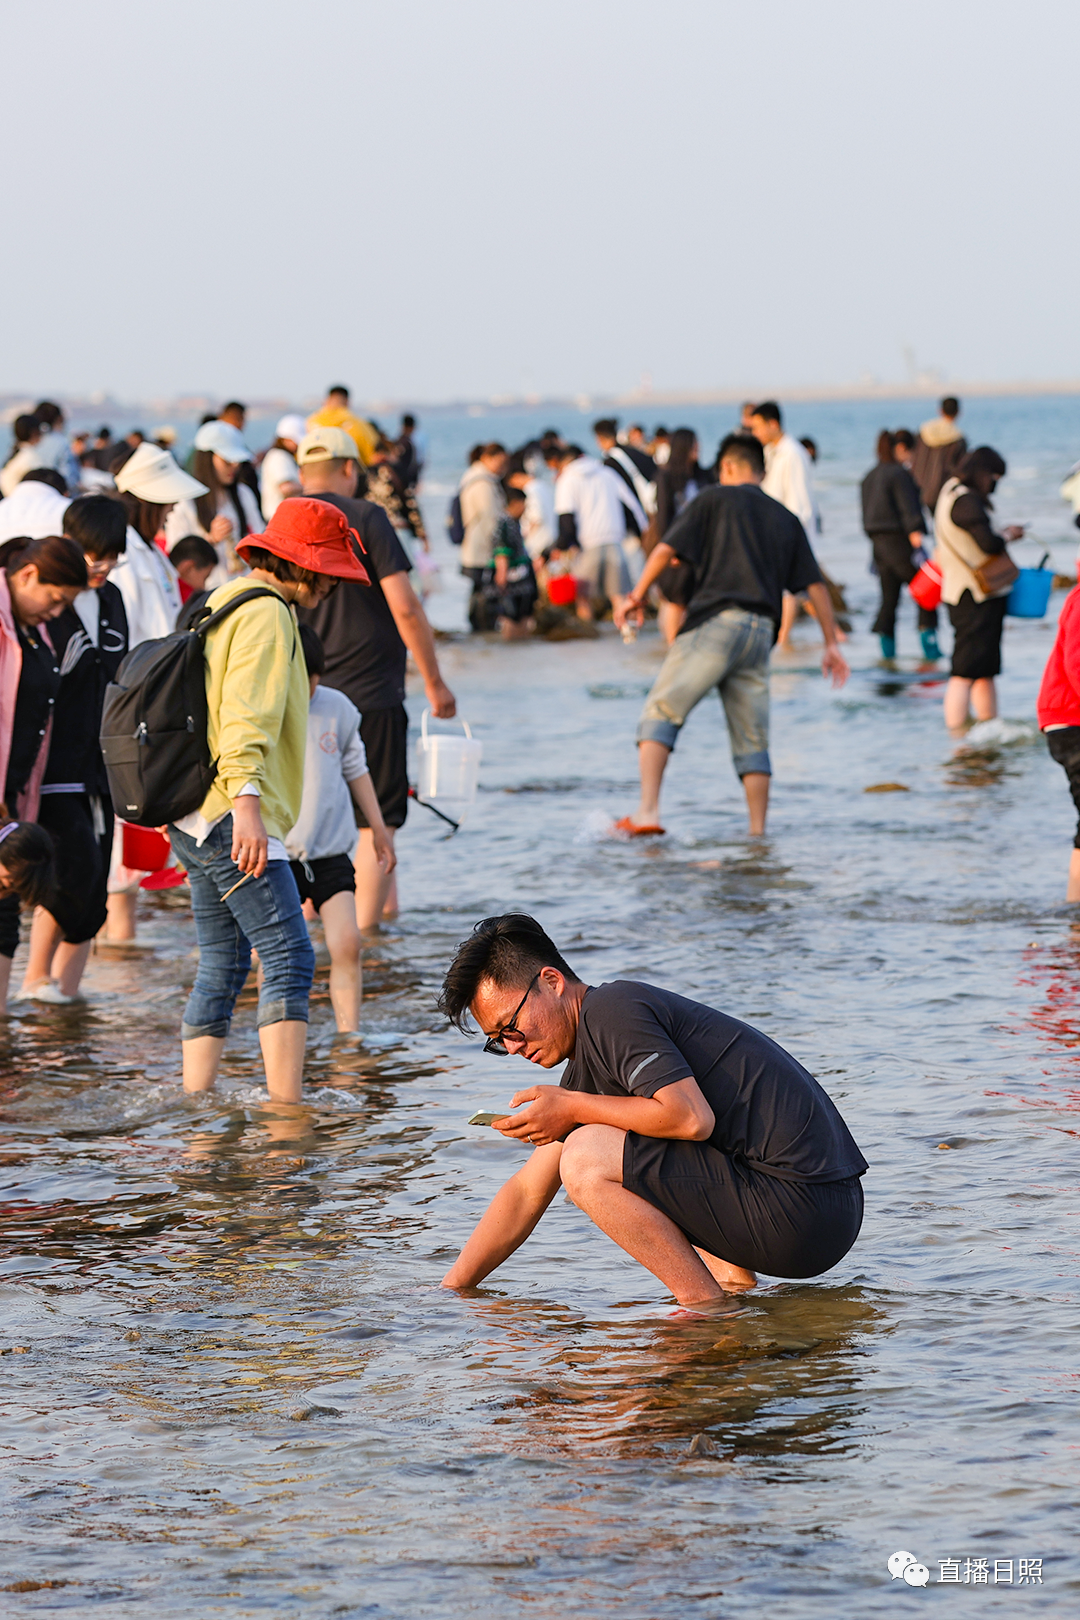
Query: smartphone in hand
<point x="483" y="1118"/>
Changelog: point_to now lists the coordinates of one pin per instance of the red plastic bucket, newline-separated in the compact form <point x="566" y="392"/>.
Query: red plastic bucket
<point x="562" y="590"/>
<point x="926" y="586"/>
<point x="145" y="850"/>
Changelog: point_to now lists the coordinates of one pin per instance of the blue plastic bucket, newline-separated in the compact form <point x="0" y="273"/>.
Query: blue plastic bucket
<point x="1030" y="596"/>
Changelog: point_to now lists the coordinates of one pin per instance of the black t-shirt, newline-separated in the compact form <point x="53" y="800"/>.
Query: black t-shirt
<point x="39" y="683"/>
<point x="634" y="1039"/>
<point x="85" y="670"/>
<point x="365" y="655"/>
<point x="745" y="550"/>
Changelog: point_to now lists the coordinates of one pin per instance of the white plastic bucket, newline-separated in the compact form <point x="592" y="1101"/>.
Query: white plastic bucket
<point x="447" y="769"/>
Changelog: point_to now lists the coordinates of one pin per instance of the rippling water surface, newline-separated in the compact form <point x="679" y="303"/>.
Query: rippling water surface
<point x="230" y="1382"/>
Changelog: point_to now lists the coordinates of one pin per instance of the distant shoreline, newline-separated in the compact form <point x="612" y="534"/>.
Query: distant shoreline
<point x="188" y="407"/>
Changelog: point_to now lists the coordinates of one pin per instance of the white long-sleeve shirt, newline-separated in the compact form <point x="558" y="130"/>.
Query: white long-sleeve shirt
<point x="788" y="480"/>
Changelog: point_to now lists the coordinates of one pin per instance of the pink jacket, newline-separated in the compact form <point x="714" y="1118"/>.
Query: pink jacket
<point x="10" y="670"/>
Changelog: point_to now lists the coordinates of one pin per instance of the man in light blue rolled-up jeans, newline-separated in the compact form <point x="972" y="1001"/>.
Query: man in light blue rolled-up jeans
<point x="745" y="550"/>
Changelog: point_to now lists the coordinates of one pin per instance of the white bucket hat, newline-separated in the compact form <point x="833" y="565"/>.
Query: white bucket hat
<point x="223" y="440"/>
<point x="151" y="474"/>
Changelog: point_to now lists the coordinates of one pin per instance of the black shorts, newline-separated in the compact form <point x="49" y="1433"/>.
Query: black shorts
<point x="384" y="734"/>
<point x="783" y="1228"/>
<point x="977" y="648"/>
<point x="330" y="875"/>
<point x="1064" y="746"/>
<point x="78" y="898"/>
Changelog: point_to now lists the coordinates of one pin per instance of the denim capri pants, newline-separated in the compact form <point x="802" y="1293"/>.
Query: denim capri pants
<point x="265" y="913"/>
<point x="731" y="652"/>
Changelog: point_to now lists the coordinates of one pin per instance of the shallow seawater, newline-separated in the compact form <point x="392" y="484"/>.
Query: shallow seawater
<point x="231" y="1384"/>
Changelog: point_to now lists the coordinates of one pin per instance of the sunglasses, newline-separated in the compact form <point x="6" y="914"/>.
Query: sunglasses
<point x="497" y="1043"/>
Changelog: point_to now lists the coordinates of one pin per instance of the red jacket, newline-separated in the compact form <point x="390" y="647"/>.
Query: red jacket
<point x="1059" y="694"/>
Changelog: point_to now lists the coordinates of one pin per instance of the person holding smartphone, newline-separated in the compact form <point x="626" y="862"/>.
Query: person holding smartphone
<point x="696" y="1143"/>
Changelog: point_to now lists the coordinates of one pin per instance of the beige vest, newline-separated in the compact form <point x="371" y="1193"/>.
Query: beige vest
<point x="957" y="554"/>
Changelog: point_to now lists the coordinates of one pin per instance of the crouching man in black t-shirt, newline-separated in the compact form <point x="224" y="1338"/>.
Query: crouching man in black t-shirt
<point x="695" y="1142"/>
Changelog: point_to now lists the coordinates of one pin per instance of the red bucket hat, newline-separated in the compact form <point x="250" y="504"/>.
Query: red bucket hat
<point x="314" y="535"/>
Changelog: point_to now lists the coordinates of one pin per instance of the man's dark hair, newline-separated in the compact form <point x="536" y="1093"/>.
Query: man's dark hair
<point x="982" y="460"/>
<point x="494" y="449"/>
<point x="314" y="656"/>
<point x="769" y="411"/>
<point x="25" y="427"/>
<point x="232" y="405"/>
<point x="475" y="452"/>
<point x="340" y="389"/>
<point x="905" y="437"/>
<point x="407" y="423"/>
<point x="48" y="414"/>
<point x="810" y="446"/>
<point x="511" y="493"/>
<point x="98" y="523"/>
<point x="950" y="407"/>
<point x="193" y="548"/>
<point x="745" y="449"/>
<point x="104" y="432"/>
<point x="46" y="475"/>
<point x="509" y="951"/>
<point x="606" y="428"/>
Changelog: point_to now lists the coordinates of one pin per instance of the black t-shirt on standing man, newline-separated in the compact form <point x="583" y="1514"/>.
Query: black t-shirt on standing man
<point x="365" y="655"/>
<point x="745" y="550"/>
<point x="634" y="1039"/>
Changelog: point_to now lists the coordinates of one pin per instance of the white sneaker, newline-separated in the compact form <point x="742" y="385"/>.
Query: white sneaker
<point x="48" y="990"/>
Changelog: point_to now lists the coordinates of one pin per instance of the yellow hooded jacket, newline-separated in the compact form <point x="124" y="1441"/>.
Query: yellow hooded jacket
<point x="257" y="701"/>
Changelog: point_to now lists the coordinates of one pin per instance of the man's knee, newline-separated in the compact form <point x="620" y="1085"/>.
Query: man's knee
<point x="592" y="1154"/>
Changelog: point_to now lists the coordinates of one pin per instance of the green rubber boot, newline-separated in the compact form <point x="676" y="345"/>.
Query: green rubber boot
<point x="888" y="648"/>
<point x="930" y="649"/>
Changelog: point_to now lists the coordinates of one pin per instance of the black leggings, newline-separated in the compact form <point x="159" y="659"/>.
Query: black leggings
<point x="896" y="566"/>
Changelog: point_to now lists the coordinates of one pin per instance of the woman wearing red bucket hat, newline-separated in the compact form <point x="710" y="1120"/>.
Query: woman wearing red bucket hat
<point x="243" y="893"/>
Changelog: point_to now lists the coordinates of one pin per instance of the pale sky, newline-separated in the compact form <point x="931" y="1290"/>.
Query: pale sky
<point x="455" y="199"/>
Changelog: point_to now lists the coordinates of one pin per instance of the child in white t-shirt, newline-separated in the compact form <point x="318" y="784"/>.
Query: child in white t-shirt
<point x="322" y="845"/>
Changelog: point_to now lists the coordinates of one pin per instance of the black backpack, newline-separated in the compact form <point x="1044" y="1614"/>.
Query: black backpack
<point x="455" y="524"/>
<point x="153" y="724"/>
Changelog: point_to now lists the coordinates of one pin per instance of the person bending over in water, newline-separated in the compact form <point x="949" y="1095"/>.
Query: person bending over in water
<point x="696" y="1143"/>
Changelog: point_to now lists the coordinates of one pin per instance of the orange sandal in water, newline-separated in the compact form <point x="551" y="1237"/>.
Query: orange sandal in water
<point x="625" y="825"/>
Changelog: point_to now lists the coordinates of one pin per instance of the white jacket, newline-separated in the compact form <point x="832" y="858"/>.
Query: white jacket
<point x="596" y="495"/>
<point x="149" y="584"/>
<point x="482" y="505"/>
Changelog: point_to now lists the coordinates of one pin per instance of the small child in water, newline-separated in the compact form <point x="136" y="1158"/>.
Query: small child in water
<point x="322" y="844"/>
<point x="514" y="583"/>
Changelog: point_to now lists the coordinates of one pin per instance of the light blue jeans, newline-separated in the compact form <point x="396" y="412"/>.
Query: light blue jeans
<point x="731" y="652"/>
<point x="264" y="912"/>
